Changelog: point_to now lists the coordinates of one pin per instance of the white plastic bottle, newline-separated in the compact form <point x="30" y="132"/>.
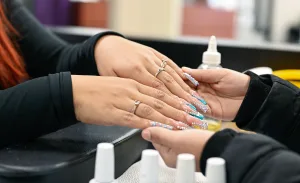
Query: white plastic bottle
<point x="211" y="59"/>
<point x="215" y="170"/>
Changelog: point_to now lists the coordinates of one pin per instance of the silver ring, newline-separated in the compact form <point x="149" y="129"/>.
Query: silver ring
<point x="163" y="63"/>
<point x="136" y="104"/>
<point x="159" y="71"/>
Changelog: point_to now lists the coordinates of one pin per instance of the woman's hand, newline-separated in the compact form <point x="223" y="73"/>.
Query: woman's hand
<point x="223" y="89"/>
<point x="170" y="143"/>
<point x="111" y="101"/>
<point x="116" y="56"/>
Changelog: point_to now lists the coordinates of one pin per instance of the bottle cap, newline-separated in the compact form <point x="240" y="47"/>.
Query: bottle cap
<point x="149" y="166"/>
<point x="185" y="172"/>
<point x="215" y="170"/>
<point x="212" y="56"/>
<point x="105" y="163"/>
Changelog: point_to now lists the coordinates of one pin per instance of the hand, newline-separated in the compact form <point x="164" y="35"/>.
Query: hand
<point x="116" y="56"/>
<point x="172" y="143"/>
<point x="223" y="89"/>
<point x="111" y="100"/>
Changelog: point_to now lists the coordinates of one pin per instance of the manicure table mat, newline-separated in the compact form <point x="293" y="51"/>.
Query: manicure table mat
<point x="68" y="155"/>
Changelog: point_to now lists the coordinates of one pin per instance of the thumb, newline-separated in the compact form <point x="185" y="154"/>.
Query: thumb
<point x="205" y="76"/>
<point x="161" y="136"/>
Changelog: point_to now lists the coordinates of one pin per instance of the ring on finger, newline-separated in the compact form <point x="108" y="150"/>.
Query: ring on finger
<point x="136" y="104"/>
<point x="159" y="71"/>
<point x="163" y="63"/>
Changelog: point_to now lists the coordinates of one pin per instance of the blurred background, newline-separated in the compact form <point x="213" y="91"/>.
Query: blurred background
<point x="249" y="21"/>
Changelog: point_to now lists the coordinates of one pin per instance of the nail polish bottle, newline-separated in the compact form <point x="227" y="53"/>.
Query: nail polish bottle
<point x="149" y="166"/>
<point x="215" y="170"/>
<point x="211" y="59"/>
<point x="185" y="169"/>
<point x="105" y="164"/>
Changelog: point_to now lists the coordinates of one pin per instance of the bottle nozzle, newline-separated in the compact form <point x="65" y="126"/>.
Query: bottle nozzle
<point x="212" y="45"/>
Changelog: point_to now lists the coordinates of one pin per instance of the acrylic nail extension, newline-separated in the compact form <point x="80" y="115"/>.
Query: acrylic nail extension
<point x="200" y="105"/>
<point x="182" y="124"/>
<point x="203" y="125"/>
<point x="192" y="80"/>
<point x="181" y="128"/>
<point x="197" y="115"/>
<point x="157" y="124"/>
<point x="195" y="95"/>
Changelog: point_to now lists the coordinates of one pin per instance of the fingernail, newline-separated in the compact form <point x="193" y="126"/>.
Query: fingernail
<point x="146" y="135"/>
<point x="197" y="115"/>
<point x="203" y="125"/>
<point x="154" y="123"/>
<point x="200" y="105"/>
<point x="196" y="95"/>
<point x="192" y="80"/>
<point x="181" y="128"/>
<point x="187" y="107"/>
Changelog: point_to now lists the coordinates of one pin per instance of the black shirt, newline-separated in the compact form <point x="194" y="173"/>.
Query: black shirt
<point x="44" y="103"/>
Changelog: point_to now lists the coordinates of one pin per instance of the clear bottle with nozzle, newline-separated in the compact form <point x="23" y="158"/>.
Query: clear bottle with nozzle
<point x="211" y="59"/>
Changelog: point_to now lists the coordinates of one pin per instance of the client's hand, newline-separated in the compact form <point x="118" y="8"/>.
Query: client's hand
<point x="172" y="143"/>
<point x="116" y="56"/>
<point x="223" y="89"/>
<point x="112" y="101"/>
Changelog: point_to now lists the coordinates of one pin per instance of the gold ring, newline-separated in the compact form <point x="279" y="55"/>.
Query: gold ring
<point x="136" y="104"/>
<point x="159" y="71"/>
<point x="163" y="63"/>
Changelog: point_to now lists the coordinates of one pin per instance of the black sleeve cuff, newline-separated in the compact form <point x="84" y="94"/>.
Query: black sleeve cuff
<point x="62" y="97"/>
<point x="216" y="146"/>
<point x="257" y="93"/>
<point x="89" y="45"/>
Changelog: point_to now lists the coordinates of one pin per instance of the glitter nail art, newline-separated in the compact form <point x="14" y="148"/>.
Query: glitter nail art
<point x="154" y="123"/>
<point x="192" y="80"/>
<point x="201" y="106"/>
<point x="195" y="95"/>
<point x="203" y="125"/>
<point x="197" y="115"/>
<point x="182" y="128"/>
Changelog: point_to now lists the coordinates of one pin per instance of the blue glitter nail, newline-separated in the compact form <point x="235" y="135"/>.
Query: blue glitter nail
<point x="191" y="106"/>
<point x="200" y="99"/>
<point x="197" y="115"/>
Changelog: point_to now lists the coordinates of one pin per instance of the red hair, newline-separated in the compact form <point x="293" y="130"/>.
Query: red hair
<point x="12" y="69"/>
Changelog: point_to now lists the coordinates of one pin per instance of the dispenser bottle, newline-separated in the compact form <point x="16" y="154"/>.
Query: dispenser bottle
<point x="215" y="170"/>
<point x="211" y="59"/>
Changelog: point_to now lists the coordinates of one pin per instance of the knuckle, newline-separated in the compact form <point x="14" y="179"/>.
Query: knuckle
<point x="172" y="71"/>
<point x="179" y="116"/>
<point x="159" y="94"/>
<point x="158" y="104"/>
<point x="168" y="79"/>
<point x="146" y="110"/>
<point x="157" y="84"/>
<point x="128" y="117"/>
<point x="137" y="69"/>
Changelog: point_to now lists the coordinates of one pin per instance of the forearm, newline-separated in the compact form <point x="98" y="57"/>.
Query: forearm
<point x="252" y="158"/>
<point x="36" y="107"/>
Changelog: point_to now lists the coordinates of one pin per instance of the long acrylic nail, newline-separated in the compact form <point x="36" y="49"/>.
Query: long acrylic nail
<point x="157" y="124"/>
<point x="187" y="107"/>
<point x="203" y="125"/>
<point x="197" y="115"/>
<point x="196" y="95"/>
<point x="192" y="80"/>
<point x="199" y="105"/>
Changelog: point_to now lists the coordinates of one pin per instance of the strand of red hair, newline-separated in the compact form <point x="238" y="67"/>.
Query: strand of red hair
<point x="12" y="68"/>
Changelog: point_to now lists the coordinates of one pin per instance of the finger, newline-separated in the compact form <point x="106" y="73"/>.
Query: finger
<point x="170" y="63"/>
<point x="144" y="77"/>
<point x="169" y="82"/>
<point x="161" y="136"/>
<point x="164" y="109"/>
<point x="206" y="76"/>
<point x="171" y="70"/>
<point x="147" y="112"/>
<point x="128" y="119"/>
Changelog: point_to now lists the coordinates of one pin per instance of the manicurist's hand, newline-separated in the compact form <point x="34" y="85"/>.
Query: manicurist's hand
<point x="117" y="56"/>
<point x="223" y="89"/>
<point x="125" y="102"/>
<point x="172" y="143"/>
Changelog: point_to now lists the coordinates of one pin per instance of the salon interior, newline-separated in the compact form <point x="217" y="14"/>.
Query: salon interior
<point x="261" y="35"/>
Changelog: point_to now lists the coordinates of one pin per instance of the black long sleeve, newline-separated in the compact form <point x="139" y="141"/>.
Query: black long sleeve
<point x="45" y="103"/>
<point x="272" y="107"/>
<point x="252" y="158"/>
